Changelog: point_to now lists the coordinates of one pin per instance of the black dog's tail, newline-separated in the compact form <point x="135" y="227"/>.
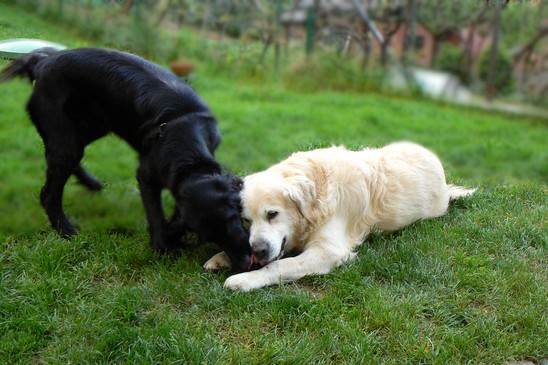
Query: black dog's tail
<point x="25" y="66"/>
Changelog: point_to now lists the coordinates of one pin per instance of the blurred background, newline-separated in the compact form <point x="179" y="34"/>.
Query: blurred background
<point x="464" y="51"/>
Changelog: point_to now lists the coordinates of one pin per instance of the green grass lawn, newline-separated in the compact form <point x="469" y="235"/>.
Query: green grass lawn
<point x="469" y="287"/>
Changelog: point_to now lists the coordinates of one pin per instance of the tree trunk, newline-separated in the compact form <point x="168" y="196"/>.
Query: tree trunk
<point x="491" y="91"/>
<point x="163" y="13"/>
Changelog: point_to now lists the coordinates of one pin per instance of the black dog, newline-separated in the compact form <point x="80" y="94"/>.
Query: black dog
<point x="83" y="94"/>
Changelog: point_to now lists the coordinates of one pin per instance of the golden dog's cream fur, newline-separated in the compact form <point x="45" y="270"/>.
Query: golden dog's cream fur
<point x="323" y="203"/>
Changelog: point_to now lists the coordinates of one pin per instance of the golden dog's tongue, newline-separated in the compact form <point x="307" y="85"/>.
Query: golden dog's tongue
<point x="253" y="261"/>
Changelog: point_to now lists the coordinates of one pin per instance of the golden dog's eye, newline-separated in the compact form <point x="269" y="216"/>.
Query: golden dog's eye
<point x="246" y="222"/>
<point x="270" y="215"/>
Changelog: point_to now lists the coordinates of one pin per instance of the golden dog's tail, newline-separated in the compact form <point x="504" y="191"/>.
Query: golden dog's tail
<point x="456" y="192"/>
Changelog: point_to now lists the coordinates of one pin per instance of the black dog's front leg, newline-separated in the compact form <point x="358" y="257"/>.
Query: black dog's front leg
<point x="176" y="230"/>
<point x="151" y="193"/>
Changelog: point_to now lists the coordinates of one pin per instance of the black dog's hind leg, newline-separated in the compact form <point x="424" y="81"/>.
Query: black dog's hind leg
<point x="86" y="179"/>
<point x="59" y="168"/>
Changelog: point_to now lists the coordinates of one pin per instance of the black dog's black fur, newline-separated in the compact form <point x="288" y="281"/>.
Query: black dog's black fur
<point x="83" y="94"/>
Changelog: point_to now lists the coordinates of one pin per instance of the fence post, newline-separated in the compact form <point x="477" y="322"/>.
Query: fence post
<point x="277" y="36"/>
<point x="310" y="19"/>
<point x="138" y="11"/>
<point x="492" y="75"/>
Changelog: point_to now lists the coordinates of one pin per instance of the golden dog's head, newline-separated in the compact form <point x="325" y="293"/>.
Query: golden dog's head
<point x="275" y="208"/>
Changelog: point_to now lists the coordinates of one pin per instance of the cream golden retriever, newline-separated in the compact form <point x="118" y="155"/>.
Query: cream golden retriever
<point x="322" y="203"/>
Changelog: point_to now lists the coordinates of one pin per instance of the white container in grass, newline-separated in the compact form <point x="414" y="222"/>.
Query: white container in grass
<point x="15" y="48"/>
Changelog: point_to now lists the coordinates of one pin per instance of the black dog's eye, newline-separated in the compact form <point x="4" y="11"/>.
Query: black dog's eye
<point x="246" y="222"/>
<point x="270" y="215"/>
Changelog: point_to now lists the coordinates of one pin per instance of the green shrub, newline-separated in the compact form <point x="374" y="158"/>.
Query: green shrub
<point x="503" y="77"/>
<point x="450" y="59"/>
<point x="323" y="71"/>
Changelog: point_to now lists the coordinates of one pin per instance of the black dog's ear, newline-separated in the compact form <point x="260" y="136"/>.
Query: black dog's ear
<point x="239" y="250"/>
<point x="237" y="183"/>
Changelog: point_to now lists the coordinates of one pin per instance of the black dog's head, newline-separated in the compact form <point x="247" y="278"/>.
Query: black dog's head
<point x="210" y="206"/>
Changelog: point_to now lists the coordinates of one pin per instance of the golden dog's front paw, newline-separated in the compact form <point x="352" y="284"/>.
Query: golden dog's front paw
<point x="220" y="261"/>
<point x="243" y="282"/>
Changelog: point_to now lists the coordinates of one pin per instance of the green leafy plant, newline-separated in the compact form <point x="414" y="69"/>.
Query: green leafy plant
<point x="503" y="71"/>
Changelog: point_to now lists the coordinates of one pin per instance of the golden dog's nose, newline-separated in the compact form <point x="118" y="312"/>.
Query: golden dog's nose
<point x="261" y="249"/>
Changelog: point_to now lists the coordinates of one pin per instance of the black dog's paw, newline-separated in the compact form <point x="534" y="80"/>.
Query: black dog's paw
<point x="170" y="252"/>
<point x="170" y="245"/>
<point x="67" y="230"/>
<point x="159" y="245"/>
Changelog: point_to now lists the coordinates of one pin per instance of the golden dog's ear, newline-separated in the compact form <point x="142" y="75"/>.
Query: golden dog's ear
<point x="302" y="192"/>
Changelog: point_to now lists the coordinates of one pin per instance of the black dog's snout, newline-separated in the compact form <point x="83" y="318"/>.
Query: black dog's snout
<point x="241" y="263"/>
